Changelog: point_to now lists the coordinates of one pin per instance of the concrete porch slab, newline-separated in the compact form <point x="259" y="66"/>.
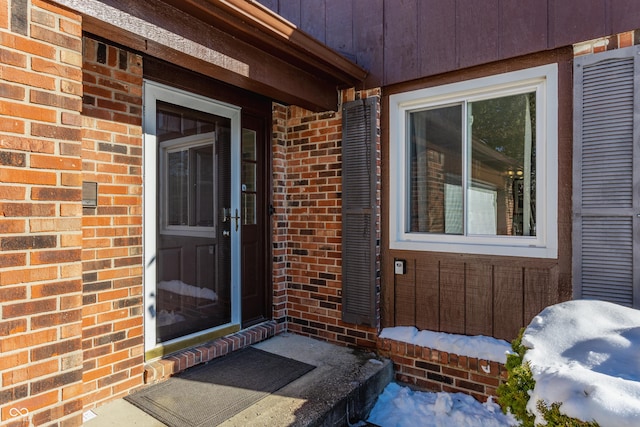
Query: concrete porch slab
<point x="342" y="389"/>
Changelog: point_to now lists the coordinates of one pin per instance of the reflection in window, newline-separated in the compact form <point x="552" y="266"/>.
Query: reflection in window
<point x="190" y="185"/>
<point x="249" y="178"/>
<point x="472" y="168"/>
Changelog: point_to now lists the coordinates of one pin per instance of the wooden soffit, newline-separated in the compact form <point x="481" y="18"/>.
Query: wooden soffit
<point x="236" y="41"/>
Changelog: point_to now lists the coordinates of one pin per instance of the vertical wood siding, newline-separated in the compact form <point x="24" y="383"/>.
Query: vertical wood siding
<point x="401" y="40"/>
<point x="473" y="295"/>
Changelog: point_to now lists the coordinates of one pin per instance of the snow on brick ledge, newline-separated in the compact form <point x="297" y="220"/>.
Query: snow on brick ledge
<point x="445" y="362"/>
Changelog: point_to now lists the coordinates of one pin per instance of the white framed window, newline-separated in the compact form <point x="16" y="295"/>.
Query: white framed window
<point x="473" y="166"/>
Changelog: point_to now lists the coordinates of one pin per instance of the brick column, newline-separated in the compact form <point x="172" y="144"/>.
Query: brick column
<point x="280" y="216"/>
<point x="40" y="214"/>
<point x="112" y="335"/>
<point x="313" y="236"/>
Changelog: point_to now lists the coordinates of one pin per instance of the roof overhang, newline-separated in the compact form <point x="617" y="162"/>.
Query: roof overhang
<point x="239" y="42"/>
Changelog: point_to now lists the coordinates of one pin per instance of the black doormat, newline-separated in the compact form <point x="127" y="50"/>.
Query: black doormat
<point x="210" y="394"/>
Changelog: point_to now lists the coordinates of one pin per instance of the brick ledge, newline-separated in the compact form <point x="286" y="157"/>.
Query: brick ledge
<point x="435" y="370"/>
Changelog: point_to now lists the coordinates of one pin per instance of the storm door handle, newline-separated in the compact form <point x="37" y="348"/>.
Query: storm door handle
<point x="237" y="218"/>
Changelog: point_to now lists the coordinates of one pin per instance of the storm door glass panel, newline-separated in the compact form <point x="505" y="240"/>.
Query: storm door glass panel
<point x="193" y="289"/>
<point x="178" y="183"/>
<point x="204" y="186"/>
<point x="435" y="170"/>
<point x="249" y="171"/>
<point x="502" y="180"/>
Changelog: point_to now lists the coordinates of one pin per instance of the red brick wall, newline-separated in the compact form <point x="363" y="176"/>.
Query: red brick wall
<point x="112" y="330"/>
<point x="434" y="370"/>
<point x="312" y="216"/>
<point x="40" y="215"/>
<point x="279" y="217"/>
<point x="617" y="41"/>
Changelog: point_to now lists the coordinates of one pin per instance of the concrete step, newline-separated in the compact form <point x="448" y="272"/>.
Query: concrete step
<point x="340" y="391"/>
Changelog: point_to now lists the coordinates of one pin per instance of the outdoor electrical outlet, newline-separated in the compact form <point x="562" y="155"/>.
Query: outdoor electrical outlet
<point x="400" y="266"/>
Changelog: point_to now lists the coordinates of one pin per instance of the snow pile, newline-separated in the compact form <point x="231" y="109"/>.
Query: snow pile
<point x="479" y="347"/>
<point x="181" y="288"/>
<point x="586" y="354"/>
<point x="400" y="406"/>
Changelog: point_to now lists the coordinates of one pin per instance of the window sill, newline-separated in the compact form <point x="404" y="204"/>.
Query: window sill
<point x="528" y="251"/>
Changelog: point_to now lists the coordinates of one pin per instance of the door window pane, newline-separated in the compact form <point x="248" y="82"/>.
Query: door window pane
<point x="178" y="188"/>
<point x="204" y="186"/>
<point x="249" y="177"/>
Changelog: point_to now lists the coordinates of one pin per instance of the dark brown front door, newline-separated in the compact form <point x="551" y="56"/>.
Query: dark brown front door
<point x="256" y="277"/>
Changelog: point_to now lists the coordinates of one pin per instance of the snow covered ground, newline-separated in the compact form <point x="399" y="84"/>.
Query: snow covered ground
<point x="585" y="354"/>
<point x="399" y="406"/>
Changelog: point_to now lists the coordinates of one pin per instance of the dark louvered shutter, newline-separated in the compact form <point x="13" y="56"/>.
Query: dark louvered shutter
<point x="359" y="211"/>
<point x="605" y="175"/>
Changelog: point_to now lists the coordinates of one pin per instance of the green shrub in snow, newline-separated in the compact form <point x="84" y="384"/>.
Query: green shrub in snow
<point x="513" y="394"/>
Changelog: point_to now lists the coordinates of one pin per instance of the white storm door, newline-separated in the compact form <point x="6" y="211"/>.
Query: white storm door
<point x="191" y="225"/>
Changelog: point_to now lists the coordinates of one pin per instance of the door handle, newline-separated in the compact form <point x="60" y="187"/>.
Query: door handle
<point x="237" y="218"/>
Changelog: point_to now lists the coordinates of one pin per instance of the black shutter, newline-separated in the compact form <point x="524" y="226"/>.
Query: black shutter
<point x="359" y="181"/>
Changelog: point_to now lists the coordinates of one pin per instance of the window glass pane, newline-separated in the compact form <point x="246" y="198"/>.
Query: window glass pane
<point x="249" y="208"/>
<point x="249" y="176"/>
<point x="178" y="187"/>
<point x="435" y="168"/>
<point x="204" y="190"/>
<point x="248" y="144"/>
<point x="501" y="197"/>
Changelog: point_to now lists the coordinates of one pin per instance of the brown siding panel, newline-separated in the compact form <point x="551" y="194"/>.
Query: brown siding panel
<point x="448" y="35"/>
<point x="427" y="294"/>
<point x="406" y="296"/>
<point x="339" y="20"/>
<point x="452" y="296"/>
<point x="570" y="23"/>
<point x="538" y="292"/>
<point x="471" y="295"/>
<point x="507" y="301"/>
<point x="479" y="291"/>
<point x="437" y="39"/>
<point x="401" y="41"/>
<point x="368" y="45"/>
<point x="523" y="29"/>
<point x="312" y="18"/>
<point x="624" y="15"/>
<point x="477" y="30"/>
